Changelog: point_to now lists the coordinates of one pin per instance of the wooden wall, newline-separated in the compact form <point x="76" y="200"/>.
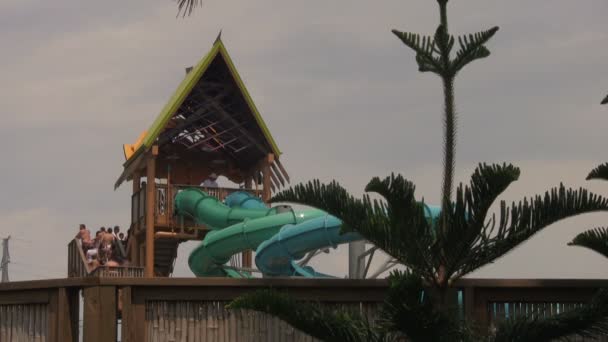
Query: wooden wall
<point x="43" y="314"/>
<point x="209" y="321"/>
<point x="192" y="309"/>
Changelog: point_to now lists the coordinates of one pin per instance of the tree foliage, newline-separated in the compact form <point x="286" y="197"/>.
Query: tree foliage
<point x="186" y="7"/>
<point x="467" y="235"/>
<point x="317" y="321"/>
<point x="587" y="321"/>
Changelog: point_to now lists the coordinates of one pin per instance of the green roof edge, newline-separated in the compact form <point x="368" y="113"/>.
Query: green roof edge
<point x="188" y="84"/>
<point x="248" y="99"/>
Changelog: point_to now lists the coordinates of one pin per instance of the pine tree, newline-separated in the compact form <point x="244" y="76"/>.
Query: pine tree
<point x="436" y="253"/>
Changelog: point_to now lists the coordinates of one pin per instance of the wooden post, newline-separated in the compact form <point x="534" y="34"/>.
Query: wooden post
<point x="469" y="303"/>
<point x="247" y="256"/>
<point x="63" y="315"/>
<point x="100" y="314"/>
<point x="150" y="202"/>
<point x="133" y="317"/>
<point x="266" y="180"/>
<point x="133" y="241"/>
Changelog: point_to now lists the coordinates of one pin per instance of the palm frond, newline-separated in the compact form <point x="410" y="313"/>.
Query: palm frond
<point x="605" y="100"/>
<point x="185" y="7"/>
<point x="408" y="308"/>
<point x="600" y="172"/>
<point x="424" y="46"/>
<point x="397" y="226"/>
<point x="472" y="48"/>
<point x="587" y="321"/>
<point x="595" y="239"/>
<point x="468" y="215"/>
<point x="321" y="323"/>
<point x="519" y="222"/>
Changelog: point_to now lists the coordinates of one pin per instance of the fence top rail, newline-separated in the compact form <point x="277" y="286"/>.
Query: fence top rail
<point x="290" y="283"/>
<point x="196" y="282"/>
<point x="531" y="283"/>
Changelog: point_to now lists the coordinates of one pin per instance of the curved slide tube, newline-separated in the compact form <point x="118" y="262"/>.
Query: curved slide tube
<point x="218" y="246"/>
<point x="208" y="210"/>
<point x="278" y="256"/>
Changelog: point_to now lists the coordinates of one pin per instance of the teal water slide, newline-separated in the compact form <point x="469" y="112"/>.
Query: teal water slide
<point x="280" y="235"/>
<point x="279" y="255"/>
<point x="252" y="224"/>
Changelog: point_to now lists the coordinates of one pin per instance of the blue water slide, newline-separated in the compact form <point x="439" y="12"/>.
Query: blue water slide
<point x="278" y="255"/>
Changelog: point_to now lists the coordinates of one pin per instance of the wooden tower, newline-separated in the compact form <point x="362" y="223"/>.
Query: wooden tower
<point x="210" y="125"/>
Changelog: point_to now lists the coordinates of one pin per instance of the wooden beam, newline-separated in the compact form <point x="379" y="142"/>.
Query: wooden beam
<point x="277" y="172"/>
<point x="266" y="180"/>
<point x="275" y="180"/>
<point x="99" y="314"/>
<point x="63" y="315"/>
<point x="150" y="202"/>
<point x="225" y="114"/>
<point x="285" y="174"/>
<point x="133" y="247"/>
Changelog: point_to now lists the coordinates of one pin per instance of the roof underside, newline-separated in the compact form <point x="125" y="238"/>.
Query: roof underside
<point x="212" y="114"/>
<point x="215" y="117"/>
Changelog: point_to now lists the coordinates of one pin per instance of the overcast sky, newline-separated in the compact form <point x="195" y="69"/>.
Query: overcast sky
<point x="341" y="95"/>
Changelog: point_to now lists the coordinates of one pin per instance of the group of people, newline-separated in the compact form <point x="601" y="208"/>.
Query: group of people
<point x="105" y="248"/>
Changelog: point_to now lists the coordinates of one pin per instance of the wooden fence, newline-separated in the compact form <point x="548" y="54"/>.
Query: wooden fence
<point x="186" y="309"/>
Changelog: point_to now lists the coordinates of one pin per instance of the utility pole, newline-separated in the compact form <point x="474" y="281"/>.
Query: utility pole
<point x="355" y="251"/>
<point x="5" y="260"/>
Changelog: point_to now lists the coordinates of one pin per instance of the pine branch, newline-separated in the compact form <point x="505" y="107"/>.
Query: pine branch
<point x="186" y="7"/>
<point x="600" y="172"/>
<point x="468" y="215"/>
<point x="321" y="323"/>
<point x="408" y="308"/>
<point x="397" y="226"/>
<point x="472" y="48"/>
<point x="424" y="48"/>
<point x="521" y="221"/>
<point x="587" y="321"/>
<point x="595" y="239"/>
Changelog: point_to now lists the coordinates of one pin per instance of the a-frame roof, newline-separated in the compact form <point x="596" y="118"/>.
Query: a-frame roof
<point x="211" y="110"/>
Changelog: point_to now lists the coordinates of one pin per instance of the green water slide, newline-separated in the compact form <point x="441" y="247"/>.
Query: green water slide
<point x="209" y="210"/>
<point x="243" y="227"/>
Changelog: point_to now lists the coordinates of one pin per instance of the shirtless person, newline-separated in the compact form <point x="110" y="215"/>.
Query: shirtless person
<point x="105" y="249"/>
<point x="85" y="237"/>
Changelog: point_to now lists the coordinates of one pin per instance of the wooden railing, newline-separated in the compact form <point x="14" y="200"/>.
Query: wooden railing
<point x="163" y="202"/>
<point x="79" y="267"/>
<point x="77" y="261"/>
<point x="193" y="309"/>
<point x="488" y="301"/>
<point x="118" y="272"/>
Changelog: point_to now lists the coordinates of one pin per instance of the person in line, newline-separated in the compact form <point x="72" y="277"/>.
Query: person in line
<point x="116" y="232"/>
<point x="211" y="181"/>
<point x="105" y="250"/>
<point x="121" y="237"/>
<point x="93" y="252"/>
<point x="94" y="263"/>
<point x="85" y="237"/>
